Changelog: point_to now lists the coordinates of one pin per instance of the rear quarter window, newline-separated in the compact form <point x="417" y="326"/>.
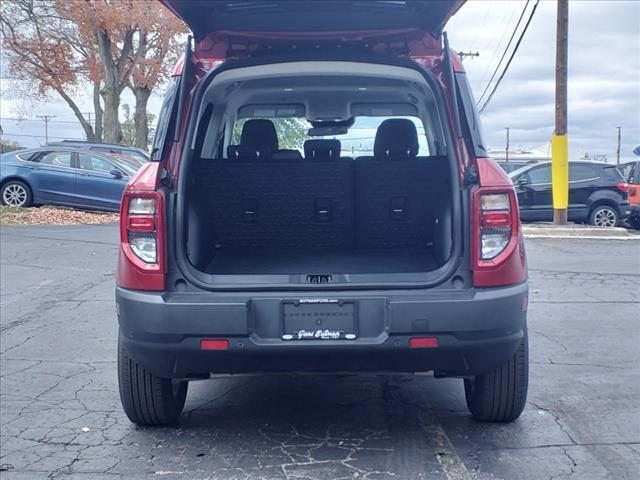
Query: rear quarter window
<point x="580" y="173"/>
<point x="611" y="173"/>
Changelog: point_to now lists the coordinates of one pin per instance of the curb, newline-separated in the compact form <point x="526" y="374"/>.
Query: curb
<point x="577" y="232"/>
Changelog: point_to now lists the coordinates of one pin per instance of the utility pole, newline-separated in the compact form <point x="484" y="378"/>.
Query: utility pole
<point x="464" y="55"/>
<point x="559" y="142"/>
<point x="507" y="147"/>
<point x="618" y="150"/>
<point x="46" y="125"/>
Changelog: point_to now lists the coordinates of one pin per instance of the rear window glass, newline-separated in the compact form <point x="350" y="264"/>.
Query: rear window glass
<point x="612" y="173"/>
<point x="91" y="162"/>
<point x="627" y="171"/>
<point x="122" y="151"/>
<point x="56" y="159"/>
<point x="358" y="141"/>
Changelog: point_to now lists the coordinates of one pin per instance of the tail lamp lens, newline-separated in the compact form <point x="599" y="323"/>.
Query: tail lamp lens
<point x="141" y="232"/>
<point x="144" y="245"/>
<point x="142" y="206"/>
<point x="495" y="224"/>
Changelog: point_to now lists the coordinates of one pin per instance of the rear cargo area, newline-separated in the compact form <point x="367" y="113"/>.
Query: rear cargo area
<point x="333" y="215"/>
<point x="363" y="194"/>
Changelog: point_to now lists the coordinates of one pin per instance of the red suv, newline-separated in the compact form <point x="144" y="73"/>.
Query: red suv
<point x="320" y="199"/>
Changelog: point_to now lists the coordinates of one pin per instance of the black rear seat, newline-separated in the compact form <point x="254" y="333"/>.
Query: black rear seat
<point x="258" y="141"/>
<point x="320" y="201"/>
<point x="282" y="202"/>
<point x="322" y="149"/>
<point x="396" y="191"/>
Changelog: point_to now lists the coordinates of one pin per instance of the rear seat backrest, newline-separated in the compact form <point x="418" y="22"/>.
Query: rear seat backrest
<point x="322" y="149"/>
<point x="396" y="191"/>
<point x="289" y="203"/>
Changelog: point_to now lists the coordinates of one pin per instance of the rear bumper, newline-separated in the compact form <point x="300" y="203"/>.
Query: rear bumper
<point x="627" y="210"/>
<point x="476" y="329"/>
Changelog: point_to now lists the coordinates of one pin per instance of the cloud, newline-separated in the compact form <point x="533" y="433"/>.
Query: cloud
<point x="604" y="77"/>
<point x="604" y="72"/>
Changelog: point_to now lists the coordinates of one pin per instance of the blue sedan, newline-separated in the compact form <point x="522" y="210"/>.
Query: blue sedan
<point x="63" y="176"/>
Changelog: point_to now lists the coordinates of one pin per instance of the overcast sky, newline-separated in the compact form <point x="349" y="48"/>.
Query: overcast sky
<point x="604" y="78"/>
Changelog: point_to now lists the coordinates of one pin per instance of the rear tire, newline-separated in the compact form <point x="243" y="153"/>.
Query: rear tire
<point x="500" y="395"/>
<point x="604" y="216"/>
<point x="148" y="400"/>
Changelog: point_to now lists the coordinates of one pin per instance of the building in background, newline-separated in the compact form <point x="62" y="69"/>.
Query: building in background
<point x="522" y="154"/>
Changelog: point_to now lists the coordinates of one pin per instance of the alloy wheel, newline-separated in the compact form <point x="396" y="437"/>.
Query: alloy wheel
<point x="605" y="217"/>
<point x="14" y="195"/>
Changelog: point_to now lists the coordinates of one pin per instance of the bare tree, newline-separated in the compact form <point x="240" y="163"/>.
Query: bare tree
<point x="113" y="24"/>
<point x="41" y="48"/>
<point x="58" y="45"/>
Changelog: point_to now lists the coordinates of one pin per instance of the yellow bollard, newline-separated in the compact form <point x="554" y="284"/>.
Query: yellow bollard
<point x="560" y="171"/>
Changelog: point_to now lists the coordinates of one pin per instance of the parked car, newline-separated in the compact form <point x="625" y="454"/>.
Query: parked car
<point x="597" y="193"/>
<point x="133" y="152"/>
<point x="237" y="255"/>
<point x="515" y="165"/>
<point x="631" y="173"/>
<point x="63" y="176"/>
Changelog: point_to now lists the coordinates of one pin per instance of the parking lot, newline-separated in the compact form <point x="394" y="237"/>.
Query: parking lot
<point x="61" y="415"/>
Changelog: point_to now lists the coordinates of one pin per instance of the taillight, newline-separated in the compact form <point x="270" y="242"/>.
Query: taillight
<point x="633" y="191"/>
<point x="623" y="187"/>
<point x="495" y="224"/>
<point x="141" y="263"/>
<point x="498" y="250"/>
<point x="141" y="228"/>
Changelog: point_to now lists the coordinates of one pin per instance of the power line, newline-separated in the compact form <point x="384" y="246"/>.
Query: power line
<point x="38" y="120"/>
<point x="505" y="23"/>
<point x="46" y="119"/>
<point x="8" y="134"/>
<point x="513" y="54"/>
<point x="504" y="54"/>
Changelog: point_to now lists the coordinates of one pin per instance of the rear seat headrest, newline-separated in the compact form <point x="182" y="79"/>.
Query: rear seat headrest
<point x="259" y="134"/>
<point x="396" y="138"/>
<point x="321" y="149"/>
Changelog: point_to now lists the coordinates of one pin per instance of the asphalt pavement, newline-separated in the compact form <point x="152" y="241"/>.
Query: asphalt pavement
<point x="60" y="415"/>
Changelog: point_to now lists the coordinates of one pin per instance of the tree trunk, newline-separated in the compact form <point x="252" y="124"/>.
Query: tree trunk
<point x="97" y="110"/>
<point x="113" y="83"/>
<point x="140" y="118"/>
<point x="112" y="131"/>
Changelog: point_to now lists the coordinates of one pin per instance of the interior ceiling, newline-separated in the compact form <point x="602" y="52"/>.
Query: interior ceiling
<point x="323" y="97"/>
